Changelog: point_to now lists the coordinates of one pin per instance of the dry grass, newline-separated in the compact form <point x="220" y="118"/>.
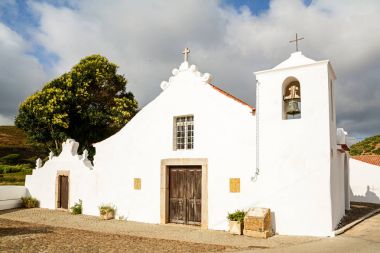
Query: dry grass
<point x="13" y="141"/>
<point x="11" y="136"/>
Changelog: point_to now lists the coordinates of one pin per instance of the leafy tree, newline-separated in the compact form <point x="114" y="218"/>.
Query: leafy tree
<point x="88" y="104"/>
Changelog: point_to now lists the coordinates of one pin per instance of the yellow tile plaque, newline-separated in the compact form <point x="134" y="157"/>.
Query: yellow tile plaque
<point x="234" y="184"/>
<point x="137" y="183"/>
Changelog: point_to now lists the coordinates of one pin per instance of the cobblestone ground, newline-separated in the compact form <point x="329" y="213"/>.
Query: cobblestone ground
<point x="16" y="236"/>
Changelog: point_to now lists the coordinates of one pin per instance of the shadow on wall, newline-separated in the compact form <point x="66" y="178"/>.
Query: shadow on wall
<point x="369" y="196"/>
<point x="273" y="221"/>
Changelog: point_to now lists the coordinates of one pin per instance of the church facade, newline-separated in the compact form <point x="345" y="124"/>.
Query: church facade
<point x="195" y="153"/>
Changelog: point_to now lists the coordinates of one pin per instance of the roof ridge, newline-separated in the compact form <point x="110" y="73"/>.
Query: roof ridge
<point x="232" y="96"/>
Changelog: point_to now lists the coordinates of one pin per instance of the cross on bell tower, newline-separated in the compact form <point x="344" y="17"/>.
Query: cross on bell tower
<point x="186" y="53"/>
<point x="296" y="41"/>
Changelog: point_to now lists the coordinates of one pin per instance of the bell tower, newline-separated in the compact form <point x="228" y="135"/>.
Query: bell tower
<point x="297" y="142"/>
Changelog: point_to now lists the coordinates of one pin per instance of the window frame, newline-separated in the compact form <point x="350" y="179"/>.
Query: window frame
<point x="186" y="123"/>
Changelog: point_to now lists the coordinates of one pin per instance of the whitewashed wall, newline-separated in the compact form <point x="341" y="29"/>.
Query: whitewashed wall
<point x="364" y="182"/>
<point x="298" y="179"/>
<point x="10" y="196"/>
<point x="224" y="134"/>
<point x="298" y="158"/>
<point x="42" y="183"/>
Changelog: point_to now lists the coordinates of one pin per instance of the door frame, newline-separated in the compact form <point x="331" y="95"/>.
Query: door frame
<point x="164" y="191"/>
<point x="57" y="190"/>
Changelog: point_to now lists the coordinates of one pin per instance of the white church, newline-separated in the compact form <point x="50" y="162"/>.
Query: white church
<point x="195" y="153"/>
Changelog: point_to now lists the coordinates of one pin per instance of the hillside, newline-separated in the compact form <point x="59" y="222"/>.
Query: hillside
<point x="369" y="146"/>
<point x="11" y="136"/>
<point x="17" y="157"/>
<point x="14" y="141"/>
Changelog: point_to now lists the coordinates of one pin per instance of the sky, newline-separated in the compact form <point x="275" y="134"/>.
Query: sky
<point x="42" y="39"/>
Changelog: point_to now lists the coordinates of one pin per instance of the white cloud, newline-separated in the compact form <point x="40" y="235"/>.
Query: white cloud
<point x="6" y="121"/>
<point x="146" y="37"/>
<point x="20" y="73"/>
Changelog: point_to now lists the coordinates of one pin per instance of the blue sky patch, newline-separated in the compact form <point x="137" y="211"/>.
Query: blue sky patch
<point x="19" y="17"/>
<point x="255" y="6"/>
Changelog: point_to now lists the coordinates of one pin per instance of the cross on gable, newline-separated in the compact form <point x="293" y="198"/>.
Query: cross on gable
<point x="186" y="52"/>
<point x="296" y="41"/>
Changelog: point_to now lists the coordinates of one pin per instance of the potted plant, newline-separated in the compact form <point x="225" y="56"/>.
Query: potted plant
<point x="107" y="212"/>
<point x="236" y="222"/>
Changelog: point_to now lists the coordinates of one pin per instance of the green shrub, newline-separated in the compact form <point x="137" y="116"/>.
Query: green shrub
<point x="31" y="161"/>
<point x="238" y="215"/>
<point x="8" y="179"/>
<point x="10" y="159"/>
<point x="29" y="202"/>
<point x="14" y="174"/>
<point x="14" y="169"/>
<point x="368" y="146"/>
<point x="104" y="209"/>
<point x="355" y="152"/>
<point x="25" y="168"/>
<point x="4" y="169"/>
<point x="76" y="208"/>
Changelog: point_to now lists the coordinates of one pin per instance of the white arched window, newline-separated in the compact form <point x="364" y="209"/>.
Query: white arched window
<point x="291" y="99"/>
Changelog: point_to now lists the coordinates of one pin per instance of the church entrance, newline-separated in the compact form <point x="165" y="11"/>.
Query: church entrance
<point x="63" y="192"/>
<point x="185" y="194"/>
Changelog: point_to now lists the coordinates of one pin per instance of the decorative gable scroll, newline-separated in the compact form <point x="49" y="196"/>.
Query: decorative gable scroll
<point x="183" y="69"/>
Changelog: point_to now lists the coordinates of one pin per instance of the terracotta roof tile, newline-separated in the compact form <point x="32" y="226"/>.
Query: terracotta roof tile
<point x="372" y="159"/>
<point x="233" y="97"/>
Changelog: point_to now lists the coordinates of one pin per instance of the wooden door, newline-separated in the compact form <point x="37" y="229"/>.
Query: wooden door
<point x="63" y="196"/>
<point x="185" y="194"/>
<point x="193" y="195"/>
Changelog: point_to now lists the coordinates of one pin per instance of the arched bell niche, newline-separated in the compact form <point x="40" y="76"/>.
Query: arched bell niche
<point x="291" y="98"/>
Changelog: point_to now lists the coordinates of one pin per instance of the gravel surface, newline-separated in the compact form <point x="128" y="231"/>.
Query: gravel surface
<point x="187" y="238"/>
<point x="43" y="230"/>
<point x="16" y="236"/>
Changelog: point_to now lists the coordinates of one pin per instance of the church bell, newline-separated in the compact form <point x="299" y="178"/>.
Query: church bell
<point x="292" y="107"/>
<point x="292" y="99"/>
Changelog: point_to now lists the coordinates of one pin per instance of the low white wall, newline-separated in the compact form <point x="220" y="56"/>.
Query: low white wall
<point x="10" y="196"/>
<point x="364" y="182"/>
<point x="42" y="184"/>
